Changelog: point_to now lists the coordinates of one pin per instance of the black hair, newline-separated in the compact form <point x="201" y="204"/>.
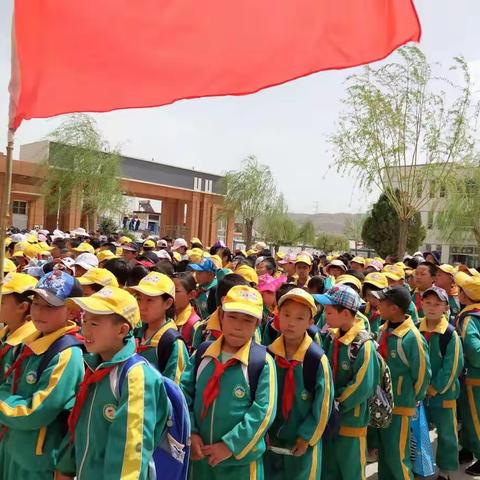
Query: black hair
<point x="432" y="268"/>
<point x="165" y="267"/>
<point x="74" y="242"/>
<point x="182" y="266"/>
<point x="96" y="287"/>
<point x="245" y="261"/>
<point x="170" y="313"/>
<point x="137" y="272"/>
<point x="359" y="275"/>
<point x="226" y="283"/>
<point x="341" y="308"/>
<point x="227" y="255"/>
<point x="215" y="249"/>
<point x="22" y="297"/>
<point x="270" y="264"/>
<point x="120" y="268"/>
<point x="95" y="243"/>
<point x="197" y="245"/>
<point x="187" y="280"/>
<point x="368" y="287"/>
<point x="316" y="284"/>
<point x="412" y="262"/>
<point x="283" y="289"/>
<point x="59" y="242"/>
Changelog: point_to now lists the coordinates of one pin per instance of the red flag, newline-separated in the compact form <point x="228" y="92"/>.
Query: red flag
<point x="92" y="55"/>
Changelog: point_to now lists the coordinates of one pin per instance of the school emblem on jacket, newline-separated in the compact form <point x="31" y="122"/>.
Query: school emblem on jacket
<point x="239" y="391"/>
<point x="31" y="378"/>
<point x="109" y="411"/>
<point x="345" y="365"/>
<point x="304" y="395"/>
<point x="393" y="354"/>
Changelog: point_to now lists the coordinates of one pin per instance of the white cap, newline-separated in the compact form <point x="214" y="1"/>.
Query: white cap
<point x="80" y="232"/>
<point x="69" y="262"/>
<point x="18" y="237"/>
<point x="162" y="243"/>
<point x="179" y="243"/>
<point x="44" y="232"/>
<point x="163" y="255"/>
<point x="86" y="261"/>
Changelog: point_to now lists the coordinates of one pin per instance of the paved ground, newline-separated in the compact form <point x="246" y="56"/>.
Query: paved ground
<point x="372" y="468"/>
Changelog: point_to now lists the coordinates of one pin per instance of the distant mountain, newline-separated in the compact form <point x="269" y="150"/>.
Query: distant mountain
<point x="324" y="222"/>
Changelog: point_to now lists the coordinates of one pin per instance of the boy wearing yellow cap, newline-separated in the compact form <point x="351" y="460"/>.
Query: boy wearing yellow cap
<point x="160" y="342"/>
<point x="468" y="326"/>
<point x="231" y="412"/>
<point x="15" y="315"/>
<point x="445" y="280"/>
<point x="93" y="280"/>
<point x="446" y="359"/>
<point x="355" y="377"/>
<point x="113" y="428"/>
<point x="303" y="267"/>
<point x="295" y="449"/>
<point x="373" y="281"/>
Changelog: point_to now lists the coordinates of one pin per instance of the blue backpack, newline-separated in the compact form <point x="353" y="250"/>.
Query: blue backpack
<point x="172" y="454"/>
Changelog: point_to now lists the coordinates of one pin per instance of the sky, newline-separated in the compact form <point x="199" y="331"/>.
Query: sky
<point x="286" y="127"/>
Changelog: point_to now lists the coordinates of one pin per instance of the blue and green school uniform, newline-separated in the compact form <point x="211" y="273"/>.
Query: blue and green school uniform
<point x="11" y="344"/>
<point x="355" y="381"/>
<point x="406" y="353"/>
<point x="148" y="349"/>
<point x="32" y="420"/>
<point x="469" y="401"/>
<point x="117" y="431"/>
<point x="443" y="391"/>
<point x="234" y="418"/>
<point x="306" y="420"/>
<point x="374" y="319"/>
<point x="202" y="300"/>
<point x="454" y="308"/>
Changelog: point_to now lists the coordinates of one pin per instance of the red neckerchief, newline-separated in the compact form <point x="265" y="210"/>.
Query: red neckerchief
<point x="16" y="368"/>
<point x="289" y="386"/>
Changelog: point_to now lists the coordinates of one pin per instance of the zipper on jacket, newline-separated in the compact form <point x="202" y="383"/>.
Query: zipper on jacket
<point x="88" y="435"/>
<point x="211" y="421"/>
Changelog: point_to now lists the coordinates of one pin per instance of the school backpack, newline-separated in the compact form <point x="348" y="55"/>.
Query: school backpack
<point x="171" y="455"/>
<point x="380" y="404"/>
<point x="256" y="362"/>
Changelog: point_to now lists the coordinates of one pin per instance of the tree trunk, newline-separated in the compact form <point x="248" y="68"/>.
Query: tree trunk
<point x="248" y="233"/>
<point x="402" y="237"/>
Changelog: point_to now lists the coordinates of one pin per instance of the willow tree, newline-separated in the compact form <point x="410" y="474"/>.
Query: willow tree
<point x="406" y="129"/>
<point x="251" y="195"/>
<point x="82" y="166"/>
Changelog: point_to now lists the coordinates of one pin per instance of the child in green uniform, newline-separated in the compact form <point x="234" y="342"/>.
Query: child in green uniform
<point x="406" y="353"/>
<point x="229" y="420"/>
<point x="95" y="279"/>
<point x="207" y="281"/>
<point x="295" y="436"/>
<point x="113" y="429"/>
<point x="425" y="275"/>
<point x="446" y="358"/>
<point x="32" y="402"/>
<point x="355" y="371"/>
<point x="15" y="316"/>
<point x="445" y="280"/>
<point x="155" y="295"/>
<point x="373" y="281"/>
<point x="468" y="327"/>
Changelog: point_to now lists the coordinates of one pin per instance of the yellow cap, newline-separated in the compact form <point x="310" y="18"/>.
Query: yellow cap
<point x="106" y="255"/>
<point x="303" y="258"/>
<point x="217" y="261"/>
<point x="360" y="260"/>
<point x="401" y="265"/>
<point x="111" y="300"/>
<point x="125" y="240"/>
<point x="100" y="276"/>
<point x="394" y="272"/>
<point x="155" y="284"/>
<point x="84" y="247"/>
<point x="149" y="244"/>
<point x="9" y="266"/>
<point x="33" y="250"/>
<point x="300" y="296"/>
<point x="470" y="285"/>
<point x="8" y="241"/>
<point x="196" y="240"/>
<point x="409" y="271"/>
<point x="251" y="252"/>
<point x="343" y="279"/>
<point x="31" y="238"/>
<point x="280" y="255"/>
<point x="119" y="251"/>
<point x="177" y="256"/>
<point x="18" y="254"/>
<point x="248" y="273"/>
<point x="448" y="269"/>
<point x="20" y="246"/>
<point x="243" y="299"/>
<point x="473" y="272"/>
<point x="195" y="255"/>
<point x="18" y="283"/>
<point x="377" y="279"/>
<point x="379" y="259"/>
<point x="45" y="246"/>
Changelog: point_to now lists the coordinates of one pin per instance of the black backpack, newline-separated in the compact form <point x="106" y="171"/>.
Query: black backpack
<point x="165" y="347"/>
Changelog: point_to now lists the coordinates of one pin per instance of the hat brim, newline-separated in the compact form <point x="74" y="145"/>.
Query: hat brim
<point x="375" y="284"/>
<point x="49" y="297"/>
<point x="92" y="305"/>
<point x="393" y="277"/>
<point x="379" y="295"/>
<point x="84" y="265"/>
<point x="431" y="291"/>
<point x="239" y="307"/>
<point x="298" y="299"/>
<point x="150" y="292"/>
<point x="323" y="299"/>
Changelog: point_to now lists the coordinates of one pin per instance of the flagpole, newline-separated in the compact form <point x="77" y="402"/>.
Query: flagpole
<point x="5" y="209"/>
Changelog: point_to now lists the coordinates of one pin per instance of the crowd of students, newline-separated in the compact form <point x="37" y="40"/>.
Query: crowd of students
<point x="278" y="358"/>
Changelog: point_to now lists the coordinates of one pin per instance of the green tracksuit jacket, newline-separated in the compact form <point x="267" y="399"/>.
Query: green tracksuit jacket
<point x="117" y="431"/>
<point x="177" y="361"/>
<point x="33" y="415"/>
<point x="233" y="418"/>
<point x="307" y="419"/>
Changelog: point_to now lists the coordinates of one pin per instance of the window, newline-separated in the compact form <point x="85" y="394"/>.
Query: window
<point x="208" y="186"/>
<point x="430" y="220"/>
<point x="19" y="207"/>
<point x="419" y="189"/>
<point x="197" y="184"/>
<point x="443" y="190"/>
<point x="433" y="188"/>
